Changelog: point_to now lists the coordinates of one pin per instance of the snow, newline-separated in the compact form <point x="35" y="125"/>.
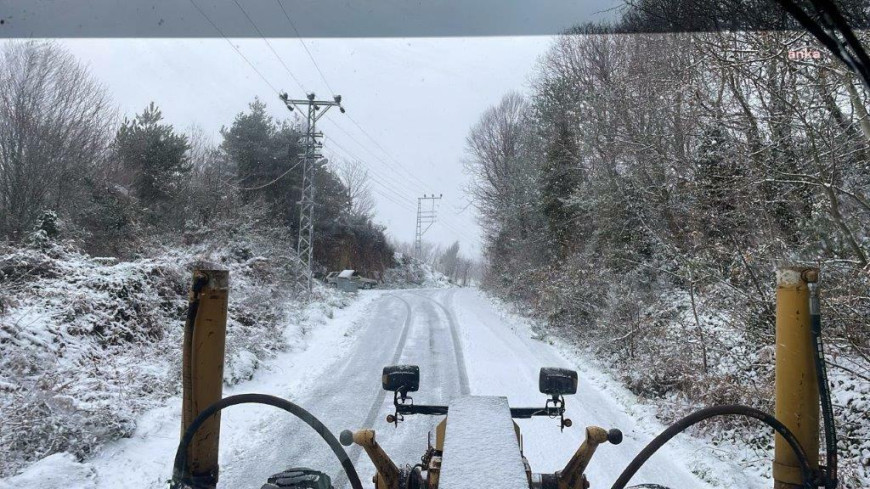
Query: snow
<point x="488" y="330"/>
<point x="334" y="372"/>
<point x="480" y="435"/>
<point x="411" y="273"/>
<point x="737" y="451"/>
<point x="58" y="470"/>
<point x="145" y="459"/>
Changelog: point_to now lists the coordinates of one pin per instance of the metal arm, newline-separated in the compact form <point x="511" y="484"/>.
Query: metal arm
<point x="518" y="413"/>
<point x="571" y="477"/>
<point x="388" y="473"/>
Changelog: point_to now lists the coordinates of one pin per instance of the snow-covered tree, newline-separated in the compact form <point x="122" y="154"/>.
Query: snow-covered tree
<point x="153" y="156"/>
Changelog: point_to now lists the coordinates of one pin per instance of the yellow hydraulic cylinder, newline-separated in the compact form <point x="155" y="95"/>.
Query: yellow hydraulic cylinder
<point x="388" y="474"/>
<point x="797" y="391"/>
<point x="203" y="369"/>
<point x="571" y="477"/>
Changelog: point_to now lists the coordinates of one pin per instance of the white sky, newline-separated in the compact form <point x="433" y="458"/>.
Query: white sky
<point x="417" y="98"/>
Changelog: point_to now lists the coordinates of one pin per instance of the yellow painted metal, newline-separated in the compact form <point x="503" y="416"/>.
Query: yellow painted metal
<point x="203" y="367"/>
<point x="440" y="434"/>
<point x="525" y="460"/>
<point x="388" y="474"/>
<point x="433" y="471"/>
<point x="433" y="474"/>
<point x="797" y="391"/>
<point x="571" y="477"/>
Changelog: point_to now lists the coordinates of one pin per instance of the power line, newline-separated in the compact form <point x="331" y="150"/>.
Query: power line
<point x="446" y="223"/>
<point x="389" y="166"/>
<point x="375" y="174"/>
<point x="279" y="177"/>
<point x="329" y="87"/>
<point x="372" y="139"/>
<point x="396" y="197"/>
<point x="298" y="36"/>
<point x="315" y="110"/>
<point x="280" y="59"/>
<point x="234" y="47"/>
<point x="375" y="155"/>
<point x="353" y="156"/>
<point x="427" y="218"/>
<point x="391" y="199"/>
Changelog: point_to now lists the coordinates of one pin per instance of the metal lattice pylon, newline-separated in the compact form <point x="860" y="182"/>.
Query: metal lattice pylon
<point x="425" y="217"/>
<point x="314" y="110"/>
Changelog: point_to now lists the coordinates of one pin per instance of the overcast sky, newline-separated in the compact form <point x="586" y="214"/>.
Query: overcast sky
<point x="415" y="100"/>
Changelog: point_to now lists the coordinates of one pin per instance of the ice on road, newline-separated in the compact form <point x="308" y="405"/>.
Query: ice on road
<point x="462" y="343"/>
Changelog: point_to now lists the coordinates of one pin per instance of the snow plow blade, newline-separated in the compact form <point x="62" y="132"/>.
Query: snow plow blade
<point x="480" y="434"/>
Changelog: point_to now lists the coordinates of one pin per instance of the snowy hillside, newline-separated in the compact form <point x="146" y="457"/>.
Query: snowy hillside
<point x="666" y="380"/>
<point x="87" y="344"/>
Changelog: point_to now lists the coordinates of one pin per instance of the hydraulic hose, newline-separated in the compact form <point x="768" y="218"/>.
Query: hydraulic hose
<point x="824" y="390"/>
<point x="707" y="413"/>
<point x="181" y="479"/>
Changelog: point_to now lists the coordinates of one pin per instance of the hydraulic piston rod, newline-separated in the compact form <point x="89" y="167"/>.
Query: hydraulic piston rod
<point x="797" y="391"/>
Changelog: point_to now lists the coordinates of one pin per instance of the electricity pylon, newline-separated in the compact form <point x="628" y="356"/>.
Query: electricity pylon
<point x="314" y="110"/>
<point x="425" y="217"/>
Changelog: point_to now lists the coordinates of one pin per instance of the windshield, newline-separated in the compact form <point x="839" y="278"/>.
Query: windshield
<point x="605" y="186"/>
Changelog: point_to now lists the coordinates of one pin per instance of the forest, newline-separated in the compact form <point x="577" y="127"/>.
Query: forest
<point x="103" y="216"/>
<point x="640" y="196"/>
<point x="73" y="168"/>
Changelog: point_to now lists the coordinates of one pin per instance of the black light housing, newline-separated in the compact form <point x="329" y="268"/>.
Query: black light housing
<point x="401" y="378"/>
<point x="555" y="381"/>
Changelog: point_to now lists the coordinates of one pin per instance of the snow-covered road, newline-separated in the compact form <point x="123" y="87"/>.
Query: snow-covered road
<point x="462" y="343"/>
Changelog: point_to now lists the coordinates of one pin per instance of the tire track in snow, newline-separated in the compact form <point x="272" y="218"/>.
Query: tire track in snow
<point x="457" y="344"/>
<point x="340" y="479"/>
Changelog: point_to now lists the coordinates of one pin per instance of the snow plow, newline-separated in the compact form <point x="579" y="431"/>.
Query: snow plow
<point x="477" y="443"/>
<point x="478" y="431"/>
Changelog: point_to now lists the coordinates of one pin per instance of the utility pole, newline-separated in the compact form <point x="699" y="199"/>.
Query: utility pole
<point x="314" y="110"/>
<point x="425" y="217"/>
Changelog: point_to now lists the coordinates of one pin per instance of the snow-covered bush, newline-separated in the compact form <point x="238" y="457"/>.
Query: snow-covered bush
<point x="648" y="335"/>
<point x="409" y="272"/>
<point x="87" y="344"/>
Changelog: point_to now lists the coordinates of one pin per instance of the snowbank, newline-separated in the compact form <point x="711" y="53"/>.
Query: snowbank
<point x="87" y="344"/>
<point x="409" y="272"/>
<point x="659" y="384"/>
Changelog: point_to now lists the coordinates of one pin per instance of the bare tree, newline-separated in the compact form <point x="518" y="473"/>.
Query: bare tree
<point x="55" y="125"/>
<point x="501" y="164"/>
<point x="448" y="262"/>
<point x="355" y="177"/>
<point x="209" y="196"/>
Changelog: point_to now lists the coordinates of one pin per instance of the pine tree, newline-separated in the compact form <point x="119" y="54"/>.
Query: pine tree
<point x="262" y="150"/>
<point x="721" y="180"/>
<point x="154" y="157"/>
<point x="561" y="175"/>
<point x="249" y="144"/>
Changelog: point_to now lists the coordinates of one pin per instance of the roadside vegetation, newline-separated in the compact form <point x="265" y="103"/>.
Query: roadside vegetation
<point x="118" y="183"/>
<point x="638" y="199"/>
<point x="102" y="218"/>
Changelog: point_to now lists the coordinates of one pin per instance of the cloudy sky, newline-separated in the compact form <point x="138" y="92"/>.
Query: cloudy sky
<point x="410" y="102"/>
